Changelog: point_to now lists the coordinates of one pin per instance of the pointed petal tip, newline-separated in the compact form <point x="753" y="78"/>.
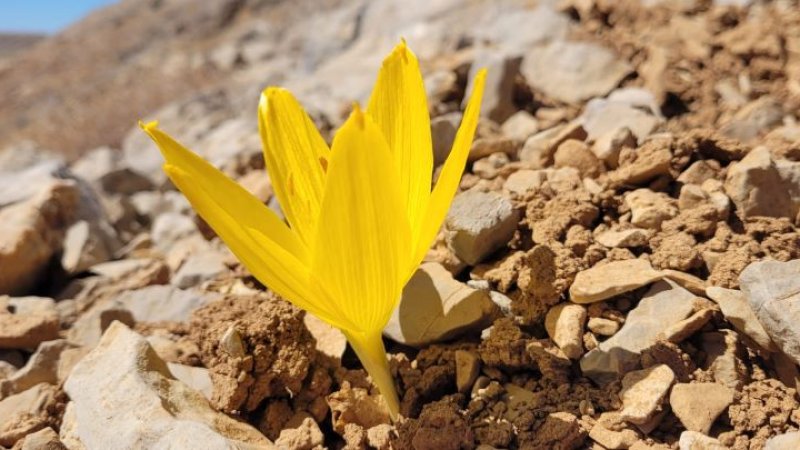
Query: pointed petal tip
<point x="148" y="127"/>
<point x="357" y="115"/>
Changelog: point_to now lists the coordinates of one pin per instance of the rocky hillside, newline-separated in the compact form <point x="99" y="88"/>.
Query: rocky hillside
<point x="619" y="269"/>
<point x="12" y="43"/>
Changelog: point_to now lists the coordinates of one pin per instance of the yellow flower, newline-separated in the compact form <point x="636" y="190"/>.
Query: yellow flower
<point x="361" y="214"/>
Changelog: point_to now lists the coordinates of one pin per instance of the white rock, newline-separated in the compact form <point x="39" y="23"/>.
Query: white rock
<point x="643" y="392"/>
<point x="692" y="440"/>
<point x="84" y="246"/>
<point x="773" y="290"/>
<point x="162" y="303"/>
<point x="123" y="397"/>
<point x="435" y="307"/>
<point x="788" y="441"/>
<point x="478" y="224"/>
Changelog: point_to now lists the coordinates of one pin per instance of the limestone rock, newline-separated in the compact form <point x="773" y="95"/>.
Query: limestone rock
<point x="123" y="396"/>
<point x="761" y="186"/>
<point x="164" y="303"/>
<point x="604" y="116"/>
<point x="773" y="291"/>
<point x="435" y="307"/>
<point x="498" y="97"/>
<point x="478" y="224"/>
<point x="573" y="71"/>
<point x="196" y="378"/>
<point x="698" y="405"/>
<point x="564" y="324"/>
<point x="33" y="321"/>
<point x="643" y="392"/>
<point x="692" y="440"/>
<point x="738" y="312"/>
<point x="200" y="267"/>
<point x="520" y="126"/>
<point x="630" y="238"/>
<point x="603" y="326"/>
<point x="662" y="306"/>
<point x="24" y="413"/>
<point x="31" y="233"/>
<point x="649" y="209"/>
<point x="44" y="439"/>
<point x="608" y="280"/>
<point x="42" y="367"/>
<point x="786" y="441"/>
<point x="611" y="439"/>
<point x="85" y="245"/>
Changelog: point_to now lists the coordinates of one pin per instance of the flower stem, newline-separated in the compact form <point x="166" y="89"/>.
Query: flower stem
<point x="372" y="354"/>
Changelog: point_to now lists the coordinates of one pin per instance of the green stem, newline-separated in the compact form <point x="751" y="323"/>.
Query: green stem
<point x="372" y="354"/>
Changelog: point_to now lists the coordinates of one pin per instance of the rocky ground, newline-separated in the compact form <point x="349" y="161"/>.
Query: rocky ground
<point x="620" y="269"/>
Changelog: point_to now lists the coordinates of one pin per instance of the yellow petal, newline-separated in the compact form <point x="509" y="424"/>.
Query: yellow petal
<point x="447" y="184"/>
<point x="260" y="253"/>
<point x="372" y="354"/>
<point x="248" y="210"/>
<point x="296" y="156"/>
<point x="363" y="235"/>
<point x="400" y="108"/>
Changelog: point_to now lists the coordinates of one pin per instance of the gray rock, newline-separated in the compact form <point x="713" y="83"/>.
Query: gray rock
<point x="200" y="267"/>
<point x="761" y="186"/>
<point x="478" y="224"/>
<point x="169" y="227"/>
<point x="737" y="310"/>
<point x="664" y="305"/>
<point x="754" y="119"/>
<point x="498" y="94"/>
<point x="573" y="71"/>
<point x="86" y="245"/>
<point x="443" y="133"/>
<point x="773" y="290"/>
<point x="123" y="396"/>
<point x="164" y="303"/>
<point x="435" y="307"/>
<point x="629" y="108"/>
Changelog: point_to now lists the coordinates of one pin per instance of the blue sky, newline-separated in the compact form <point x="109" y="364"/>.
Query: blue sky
<point x="44" y="16"/>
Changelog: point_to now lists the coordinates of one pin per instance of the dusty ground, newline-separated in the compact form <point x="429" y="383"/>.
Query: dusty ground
<point x="618" y="271"/>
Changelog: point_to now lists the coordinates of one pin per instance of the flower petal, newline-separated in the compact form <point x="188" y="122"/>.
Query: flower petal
<point x="260" y="253"/>
<point x="296" y="156"/>
<point x="447" y="184"/>
<point x="362" y="234"/>
<point x="248" y="210"/>
<point x="400" y="108"/>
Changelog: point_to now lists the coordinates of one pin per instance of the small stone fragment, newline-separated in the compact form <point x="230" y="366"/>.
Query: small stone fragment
<point x="468" y="366"/>
<point x="698" y="405"/>
<point x="353" y="405"/>
<point x="738" y="312"/>
<point x="692" y="440"/>
<point x="478" y="224"/>
<point x="574" y="153"/>
<point x="603" y="326"/>
<point x="435" y="307"/>
<point x="650" y="209"/>
<point x="44" y="439"/>
<point x="613" y="440"/>
<point x="25" y="322"/>
<point x="630" y="238"/>
<point x="564" y="324"/>
<point x="643" y="392"/>
<point x="608" y="280"/>
<point x="200" y="267"/>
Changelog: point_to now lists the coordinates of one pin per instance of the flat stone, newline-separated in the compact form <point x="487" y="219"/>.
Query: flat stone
<point x="42" y="367"/>
<point x="630" y="238"/>
<point x="564" y="324"/>
<point x="692" y="440"/>
<point x="478" y="224"/>
<point x="468" y="365"/>
<point x="573" y="71"/>
<point x="737" y="311"/>
<point x="91" y="325"/>
<point x="691" y="283"/>
<point x="698" y="405"/>
<point x="123" y="395"/>
<point x="200" y="267"/>
<point x="523" y="181"/>
<point x="608" y="280"/>
<point x="601" y="117"/>
<point x="164" y="303"/>
<point x="787" y="441"/>
<point x="435" y="307"/>
<point x="682" y="330"/>
<point x="25" y="322"/>
<point x="603" y="326"/>
<point x="662" y="306"/>
<point x="643" y="392"/>
<point x="611" y="439"/>
<point x="773" y="291"/>
<point x="498" y="94"/>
